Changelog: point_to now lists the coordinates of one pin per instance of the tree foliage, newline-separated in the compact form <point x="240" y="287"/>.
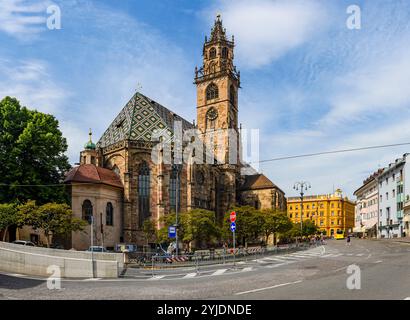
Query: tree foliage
<point x="8" y="217"/>
<point x="52" y="218"/>
<point x="249" y="222"/>
<point x="149" y="230"/>
<point x="275" y="222"/>
<point x="31" y="153"/>
<point x="197" y="226"/>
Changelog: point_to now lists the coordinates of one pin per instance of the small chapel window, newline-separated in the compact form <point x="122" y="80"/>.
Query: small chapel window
<point x="87" y="211"/>
<point x="109" y="214"/>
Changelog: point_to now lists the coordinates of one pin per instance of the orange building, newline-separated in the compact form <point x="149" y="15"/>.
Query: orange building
<point x="331" y="212"/>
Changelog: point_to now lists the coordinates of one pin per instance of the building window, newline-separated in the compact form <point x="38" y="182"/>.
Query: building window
<point x="290" y="207"/>
<point x="109" y="214"/>
<point x="290" y="216"/>
<point x="381" y="198"/>
<point x="143" y="193"/>
<point x="212" y="91"/>
<point x="174" y="188"/>
<point x="321" y="213"/>
<point x="394" y="193"/>
<point x="232" y="94"/>
<point x="332" y="205"/>
<point x="212" y="53"/>
<point x="332" y="213"/>
<point x="387" y="196"/>
<point x="87" y="211"/>
<point x="224" y="52"/>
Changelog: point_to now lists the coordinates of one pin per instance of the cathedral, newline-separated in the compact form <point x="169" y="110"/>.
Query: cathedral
<point x="124" y="178"/>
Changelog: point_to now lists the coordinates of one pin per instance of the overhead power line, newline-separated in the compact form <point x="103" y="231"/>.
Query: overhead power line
<point x="333" y="152"/>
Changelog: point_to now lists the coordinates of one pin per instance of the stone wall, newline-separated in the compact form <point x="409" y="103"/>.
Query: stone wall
<point x="73" y="264"/>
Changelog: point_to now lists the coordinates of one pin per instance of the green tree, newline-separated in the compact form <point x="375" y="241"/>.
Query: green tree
<point x="8" y="217"/>
<point x="200" y="227"/>
<point x="149" y="230"/>
<point x="309" y="228"/>
<point x="275" y="222"/>
<point x="52" y="218"/>
<point x="31" y="153"/>
<point x="249" y="224"/>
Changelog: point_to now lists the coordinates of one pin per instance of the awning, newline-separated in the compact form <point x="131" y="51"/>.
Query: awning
<point x="372" y="227"/>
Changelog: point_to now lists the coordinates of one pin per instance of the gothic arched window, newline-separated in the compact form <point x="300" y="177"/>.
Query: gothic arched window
<point x="87" y="211"/>
<point x="109" y="214"/>
<point x="143" y="193"/>
<point x="232" y="94"/>
<point x="212" y="92"/>
<point x="174" y="188"/>
<point x="224" y="52"/>
<point x="212" y="53"/>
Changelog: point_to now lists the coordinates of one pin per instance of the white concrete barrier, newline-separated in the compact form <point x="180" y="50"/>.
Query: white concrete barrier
<point x="73" y="264"/>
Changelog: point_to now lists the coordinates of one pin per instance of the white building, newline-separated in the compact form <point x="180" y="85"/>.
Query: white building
<point x="367" y="207"/>
<point x="393" y="187"/>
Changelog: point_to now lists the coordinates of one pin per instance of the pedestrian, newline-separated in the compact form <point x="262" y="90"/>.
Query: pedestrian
<point x="348" y="241"/>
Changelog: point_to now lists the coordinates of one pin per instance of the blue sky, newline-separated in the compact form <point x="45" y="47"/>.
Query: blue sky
<point x="309" y="83"/>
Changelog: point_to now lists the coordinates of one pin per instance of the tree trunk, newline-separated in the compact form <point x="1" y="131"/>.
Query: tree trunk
<point x="274" y="238"/>
<point x="5" y="234"/>
<point x="47" y="239"/>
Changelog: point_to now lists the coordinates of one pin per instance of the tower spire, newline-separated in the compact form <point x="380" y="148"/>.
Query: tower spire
<point x="218" y="32"/>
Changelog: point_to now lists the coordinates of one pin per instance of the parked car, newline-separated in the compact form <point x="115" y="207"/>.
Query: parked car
<point x="97" y="249"/>
<point x="24" y="243"/>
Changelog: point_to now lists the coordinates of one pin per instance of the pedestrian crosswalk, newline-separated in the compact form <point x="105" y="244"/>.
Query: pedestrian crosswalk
<point x="269" y="262"/>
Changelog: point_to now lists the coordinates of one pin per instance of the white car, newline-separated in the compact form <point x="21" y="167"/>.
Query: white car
<point x="24" y="243"/>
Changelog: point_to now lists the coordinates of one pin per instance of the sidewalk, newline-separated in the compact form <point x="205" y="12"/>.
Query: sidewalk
<point x="402" y="240"/>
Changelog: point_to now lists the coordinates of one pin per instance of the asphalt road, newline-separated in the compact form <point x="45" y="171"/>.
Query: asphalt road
<point x="318" y="273"/>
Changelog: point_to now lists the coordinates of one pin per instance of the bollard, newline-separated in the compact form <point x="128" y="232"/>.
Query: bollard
<point x="197" y="264"/>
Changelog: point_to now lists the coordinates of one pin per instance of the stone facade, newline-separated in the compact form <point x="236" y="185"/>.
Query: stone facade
<point x="136" y="144"/>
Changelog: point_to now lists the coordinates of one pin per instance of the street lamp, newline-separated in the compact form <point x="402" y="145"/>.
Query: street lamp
<point x="302" y="186"/>
<point x="177" y="168"/>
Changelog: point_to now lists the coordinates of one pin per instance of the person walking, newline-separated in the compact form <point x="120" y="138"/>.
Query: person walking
<point x="348" y="241"/>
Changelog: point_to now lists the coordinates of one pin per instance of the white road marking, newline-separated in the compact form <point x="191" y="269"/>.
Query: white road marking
<point x="277" y="265"/>
<point x="219" y="272"/>
<point x="156" y="278"/>
<point x="241" y="262"/>
<point x="190" y="275"/>
<point x="360" y="254"/>
<point x="290" y="258"/>
<point x="378" y="261"/>
<point x="92" y="279"/>
<point x="349" y="254"/>
<point x="408" y="298"/>
<point x="267" y="288"/>
<point x="247" y="269"/>
<point x="16" y="275"/>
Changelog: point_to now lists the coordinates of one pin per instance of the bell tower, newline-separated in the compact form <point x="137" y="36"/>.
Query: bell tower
<point x="217" y="83"/>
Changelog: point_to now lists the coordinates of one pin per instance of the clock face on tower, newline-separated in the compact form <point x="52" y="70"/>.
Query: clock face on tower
<point x="212" y="114"/>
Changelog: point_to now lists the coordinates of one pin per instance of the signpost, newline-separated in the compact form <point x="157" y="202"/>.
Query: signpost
<point x="233" y="229"/>
<point x="172" y="232"/>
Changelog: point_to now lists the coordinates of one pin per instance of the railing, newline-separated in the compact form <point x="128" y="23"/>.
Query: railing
<point x="202" y="258"/>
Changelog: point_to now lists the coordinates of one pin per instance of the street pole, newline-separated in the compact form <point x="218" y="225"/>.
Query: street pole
<point x="92" y="244"/>
<point x="102" y="230"/>
<point x="303" y="185"/>
<point x="234" y="249"/>
<point x="176" y="209"/>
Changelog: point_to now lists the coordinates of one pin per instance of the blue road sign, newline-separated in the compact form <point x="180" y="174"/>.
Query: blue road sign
<point x="172" y="232"/>
<point x="233" y="226"/>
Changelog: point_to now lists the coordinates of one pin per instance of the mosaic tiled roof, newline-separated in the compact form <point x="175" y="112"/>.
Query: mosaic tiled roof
<point x="138" y="120"/>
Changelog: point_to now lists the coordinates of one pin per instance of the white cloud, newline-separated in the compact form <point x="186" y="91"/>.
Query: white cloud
<point x="377" y="88"/>
<point x="22" y="18"/>
<point x="266" y="30"/>
<point x="31" y="82"/>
